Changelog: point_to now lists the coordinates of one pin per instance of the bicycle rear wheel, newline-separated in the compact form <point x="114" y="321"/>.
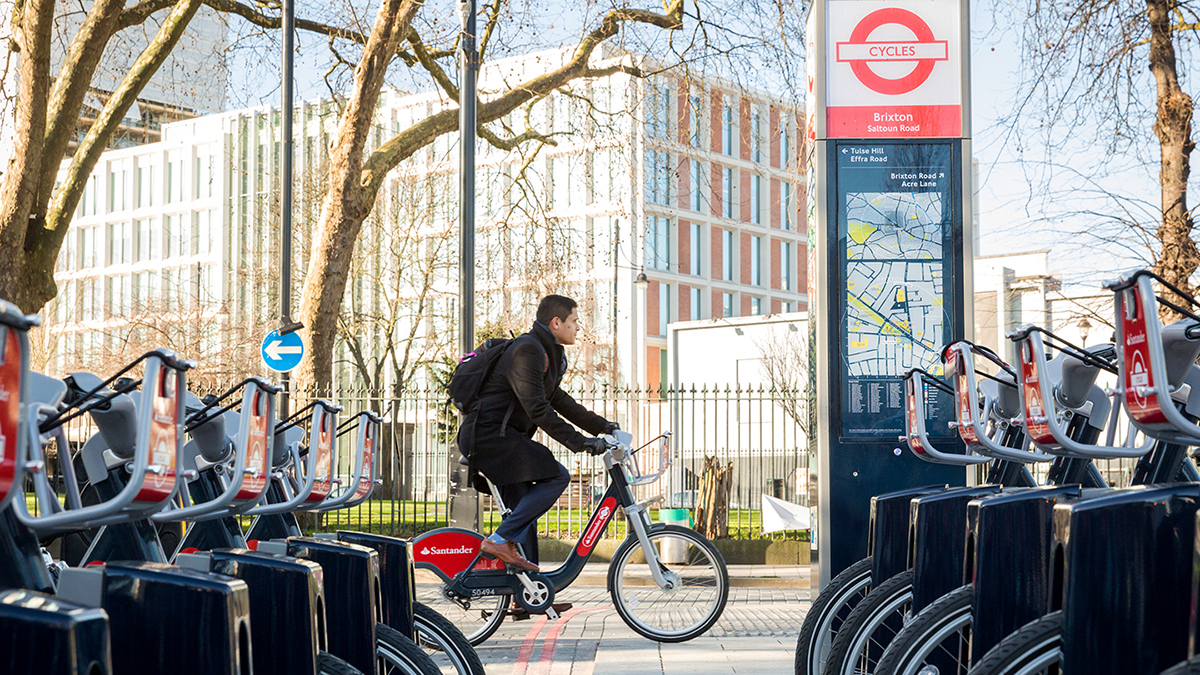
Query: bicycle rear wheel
<point x="478" y="621"/>
<point x="687" y="609"/>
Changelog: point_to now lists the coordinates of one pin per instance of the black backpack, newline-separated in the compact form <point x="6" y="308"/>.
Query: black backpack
<point x="473" y="371"/>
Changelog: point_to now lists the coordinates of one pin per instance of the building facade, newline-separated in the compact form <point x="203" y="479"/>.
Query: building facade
<point x="690" y="181"/>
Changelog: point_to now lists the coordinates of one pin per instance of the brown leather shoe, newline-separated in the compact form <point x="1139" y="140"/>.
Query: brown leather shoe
<point x="508" y="554"/>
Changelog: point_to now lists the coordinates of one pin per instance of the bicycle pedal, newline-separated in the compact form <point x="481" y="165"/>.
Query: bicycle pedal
<point x="552" y="614"/>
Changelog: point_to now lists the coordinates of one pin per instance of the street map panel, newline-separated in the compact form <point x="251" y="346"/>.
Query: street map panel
<point x="894" y="276"/>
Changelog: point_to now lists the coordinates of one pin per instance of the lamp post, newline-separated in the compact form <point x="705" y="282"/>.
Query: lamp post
<point x="463" y="503"/>
<point x="1085" y="327"/>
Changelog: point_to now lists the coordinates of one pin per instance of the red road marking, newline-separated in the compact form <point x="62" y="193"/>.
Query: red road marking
<point x="522" y="663"/>
<point x="546" y="660"/>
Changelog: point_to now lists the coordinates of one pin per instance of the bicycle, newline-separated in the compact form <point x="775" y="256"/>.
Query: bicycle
<point x="648" y="586"/>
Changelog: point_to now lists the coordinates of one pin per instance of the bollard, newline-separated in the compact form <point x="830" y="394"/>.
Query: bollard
<point x="674" y="550"/>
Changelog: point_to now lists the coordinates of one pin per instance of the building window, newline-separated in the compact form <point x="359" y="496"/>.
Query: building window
<point x="728" y="131"/>
<point x="727" y="192"/>
<point x="785" y="266"/>
<point x="659" y="122"/>
<point x="664" y="307"/>
<point x="147" y="233"/>
<point x="658" y="176"/>
<point x="116" y="190"/>
<point x="727" y="255"/>
<point x="145" y="185"/>
<point x="697" y="248"/>
<point x="697" y="312"/>
<point x="756" y="136"/>
<point x="785" y="205"/>
<point x="727" y="304"/>
<point x="694" y="121"/>
<point x="697" y="182"/>
<point x="756" y="260"/>
<point x="91" y="247"/>
<point x="658" y="243"/>
<point x="756" y="306"/>
<point x="756" y="199"/>
<point x="785" y="143"/>
<point x="120" y="243"/>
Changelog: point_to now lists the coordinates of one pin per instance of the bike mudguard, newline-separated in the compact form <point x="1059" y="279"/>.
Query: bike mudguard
<point x="351" y="575"/>
<point x="45" y="635"/>
<point x="1008" y="544"/>
<point x="937" y="548"/>
<point x="887" y="542"/>
<point x="1125" y="556"/>
<point x="157" y="612"/>
<point x="450" y="550"/>
<point x="395" y="575"/>
<point x="287" y="604"/>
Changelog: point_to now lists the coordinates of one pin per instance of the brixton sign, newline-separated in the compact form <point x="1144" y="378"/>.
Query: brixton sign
<point x="895" y="69"/>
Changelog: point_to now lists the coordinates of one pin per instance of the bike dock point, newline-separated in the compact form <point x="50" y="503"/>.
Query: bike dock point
<point x="890" y="245"/>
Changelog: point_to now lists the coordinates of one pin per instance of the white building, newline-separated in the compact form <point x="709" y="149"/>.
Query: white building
<point x="694" y="184"/>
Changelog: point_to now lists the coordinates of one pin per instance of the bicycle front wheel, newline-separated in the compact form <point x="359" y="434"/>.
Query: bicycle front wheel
<point x="397" y="655"/>
<point x="450" y="649"/>
<point x="936" y="640"/>
<point x="693" y="601"/>
<point x="1036" y="649"/>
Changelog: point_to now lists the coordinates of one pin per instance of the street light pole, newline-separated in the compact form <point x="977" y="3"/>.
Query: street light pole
<point x="285" y="222"/>
<point x="463" y="506"/>
<point x="468" y="69"/>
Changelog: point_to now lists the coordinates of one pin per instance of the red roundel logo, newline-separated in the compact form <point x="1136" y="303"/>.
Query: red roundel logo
<point x="923" y="52"/>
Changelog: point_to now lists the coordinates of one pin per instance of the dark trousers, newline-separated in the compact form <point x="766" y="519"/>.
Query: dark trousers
<point x="528" y="501"/>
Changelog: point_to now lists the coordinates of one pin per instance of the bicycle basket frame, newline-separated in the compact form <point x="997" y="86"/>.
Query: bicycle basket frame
<point x="1143" y="382"/>
<point x="970" y="415"/>
<point x="917" y="436"/>
<point x="1037" y="389"/>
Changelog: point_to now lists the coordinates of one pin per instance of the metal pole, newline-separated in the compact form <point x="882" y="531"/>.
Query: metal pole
<point x="463" y="503"/>
<point x="285" y="221"/>
<point x="468" y="69"/>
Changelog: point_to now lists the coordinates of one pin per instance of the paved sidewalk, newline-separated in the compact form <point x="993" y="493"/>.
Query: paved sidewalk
<point x="744" y="576"/>
<point x="756" y="634"/>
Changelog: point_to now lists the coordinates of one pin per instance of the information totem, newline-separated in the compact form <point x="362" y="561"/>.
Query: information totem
<point x="889" y="240"/>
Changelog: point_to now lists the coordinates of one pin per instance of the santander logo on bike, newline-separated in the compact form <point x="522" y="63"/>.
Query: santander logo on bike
<point x="433" y="550"/>
<point x="599" y="521"/>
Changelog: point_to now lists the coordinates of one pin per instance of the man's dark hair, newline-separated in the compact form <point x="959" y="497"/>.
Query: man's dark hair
<point x="555" y="305"/>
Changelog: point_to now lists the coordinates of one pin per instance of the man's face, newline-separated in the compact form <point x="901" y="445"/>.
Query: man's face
<point x="565" y="331"/>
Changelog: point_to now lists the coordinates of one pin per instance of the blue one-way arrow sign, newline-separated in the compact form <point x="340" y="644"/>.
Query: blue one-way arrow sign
<point x="282" y="352"/>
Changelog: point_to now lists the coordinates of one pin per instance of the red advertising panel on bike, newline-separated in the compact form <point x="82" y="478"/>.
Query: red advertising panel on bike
<point x="365" y="483"/>
<point x="324" y="466"/>
<point x="10" y="401"/>
<point x="163" y="438"/>
<point x="258" y="457"/>
<point x="595" y="526"/>
<point x="1036" y="410"/>
<point x="963" y="412"/>
<point x="913" y="427"/>
<point x="1140" y="398"/>
<point x="451" y="551"/>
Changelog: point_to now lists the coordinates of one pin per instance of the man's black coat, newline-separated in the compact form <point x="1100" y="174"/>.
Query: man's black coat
<point x="521" y="396"/>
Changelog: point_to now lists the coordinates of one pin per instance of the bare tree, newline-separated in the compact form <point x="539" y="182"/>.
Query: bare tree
<point x="1083" y="83"/>
<point x="785" y="365"/>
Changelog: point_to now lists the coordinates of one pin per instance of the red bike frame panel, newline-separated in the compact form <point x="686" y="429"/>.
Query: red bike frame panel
<point x="10" y="403"/>
<point x="1035" y="407"/>
<point x="1136" y="352"/>
<point x="257" y="460"/>
<point x="164" y="435"/>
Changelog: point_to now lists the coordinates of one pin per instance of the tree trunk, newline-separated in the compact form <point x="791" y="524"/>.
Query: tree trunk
<point x="1179" y="257"/>
<point x="346" y="206"/>
<point x="32" y="36"/>
<point x="43" y="244"/>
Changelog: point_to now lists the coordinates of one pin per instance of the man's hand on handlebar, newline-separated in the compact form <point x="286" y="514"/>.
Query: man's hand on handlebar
<point x="610" y="427"/>
<point x="595" y="446"/>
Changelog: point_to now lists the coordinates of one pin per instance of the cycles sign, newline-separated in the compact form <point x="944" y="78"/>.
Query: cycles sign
<point x="894" y="69"/>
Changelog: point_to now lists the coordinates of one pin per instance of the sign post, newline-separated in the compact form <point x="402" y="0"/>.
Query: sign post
<point x="889" y="236"/>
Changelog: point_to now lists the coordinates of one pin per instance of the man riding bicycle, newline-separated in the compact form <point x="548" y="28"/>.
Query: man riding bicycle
<point x="522" y="395"/>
